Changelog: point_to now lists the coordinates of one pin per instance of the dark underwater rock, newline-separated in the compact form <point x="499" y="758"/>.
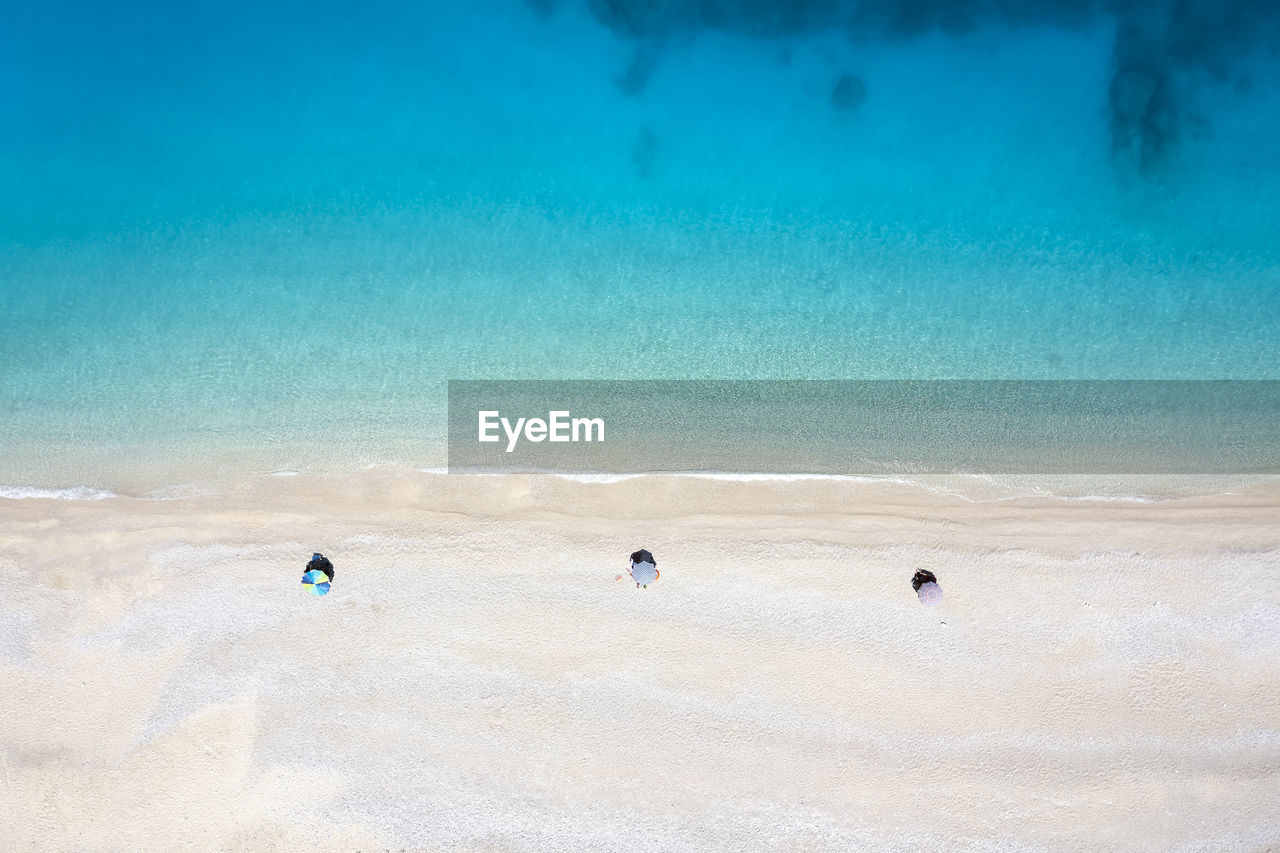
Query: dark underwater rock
<point x="1143" y="114"/>
<point x="1141" y="96"/>
<point x="1132" y="92"/>
<point x="1162" y="46"/>
<point x="848" y="93"/>
<point x="763" y="18"/>
<point x="636" y="77"/>
<point x="901" y="19"/>
<point x="769" y="18"/>
<point x="542" y="8"/>
<point x="643" y="152"/>
<point x="640" y="18"/>
<point x="1201" y="129"/>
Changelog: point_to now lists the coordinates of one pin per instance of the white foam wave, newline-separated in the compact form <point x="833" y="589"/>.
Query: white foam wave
<point x="1008" y="491"/>
<point x="73" y="493"/>
<point x="1137" y="499"/>
<point x="179" y="492"/>
<point x="755" y="477"/>
<point x="90" y="493"/>
<point x="598" y="477"/>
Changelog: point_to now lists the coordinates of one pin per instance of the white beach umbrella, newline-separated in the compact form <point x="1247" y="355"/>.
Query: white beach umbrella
<point x="644" y="568"/>
<point x="930" y="594"/>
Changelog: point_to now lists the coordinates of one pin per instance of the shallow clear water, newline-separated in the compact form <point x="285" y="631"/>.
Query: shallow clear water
<point x="272" y="231"/>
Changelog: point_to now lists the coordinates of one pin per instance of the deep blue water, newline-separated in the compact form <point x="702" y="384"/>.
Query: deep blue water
<point x="284" y="224"/>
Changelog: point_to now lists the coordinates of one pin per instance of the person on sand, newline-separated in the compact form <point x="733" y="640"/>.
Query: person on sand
<point x="925" y="583"/>
<point x="320" y="563"/>
<point x="644" y="569"/>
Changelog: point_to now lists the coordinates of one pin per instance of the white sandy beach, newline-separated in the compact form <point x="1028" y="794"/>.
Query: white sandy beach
<point x="1101" y="674"/>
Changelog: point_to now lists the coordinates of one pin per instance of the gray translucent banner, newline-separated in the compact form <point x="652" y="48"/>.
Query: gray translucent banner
<point x="867" y="427"/>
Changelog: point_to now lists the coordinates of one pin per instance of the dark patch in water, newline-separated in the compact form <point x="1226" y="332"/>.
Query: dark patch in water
<point x="542" y="8"/>
<point x="1200" y="128"/>
<point x="1196" y="32"/>
<point x="770" y="18"/>
<point x="906" y="18"/>
<point x="767" y="18"/>
<point x="848" y="93"/>
<point x="1157" y="42"/>
<point x="639" y="18"/>
<point x="1142" y="114"/>
<point x="1142" y="97"/>
<point x="643" y="152"/>
<point x="636" y="77"/>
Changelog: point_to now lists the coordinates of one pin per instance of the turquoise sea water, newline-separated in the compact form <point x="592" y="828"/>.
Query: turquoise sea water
<point x="267" y="234"/>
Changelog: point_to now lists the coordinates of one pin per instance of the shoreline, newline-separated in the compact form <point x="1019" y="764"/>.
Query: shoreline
<point x="975" y="488"/>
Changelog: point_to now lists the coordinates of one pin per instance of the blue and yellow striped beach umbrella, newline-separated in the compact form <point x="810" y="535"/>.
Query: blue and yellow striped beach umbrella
<point x="316" y="582"/>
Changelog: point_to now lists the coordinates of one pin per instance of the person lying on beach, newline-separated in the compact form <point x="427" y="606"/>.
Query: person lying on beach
<point x="644" y="569"/>
<point x="319" y="562"/>
<point x="922" y="577"/>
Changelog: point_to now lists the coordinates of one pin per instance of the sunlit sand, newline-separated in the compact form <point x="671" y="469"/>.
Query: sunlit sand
<point x="1099" y="674"/>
